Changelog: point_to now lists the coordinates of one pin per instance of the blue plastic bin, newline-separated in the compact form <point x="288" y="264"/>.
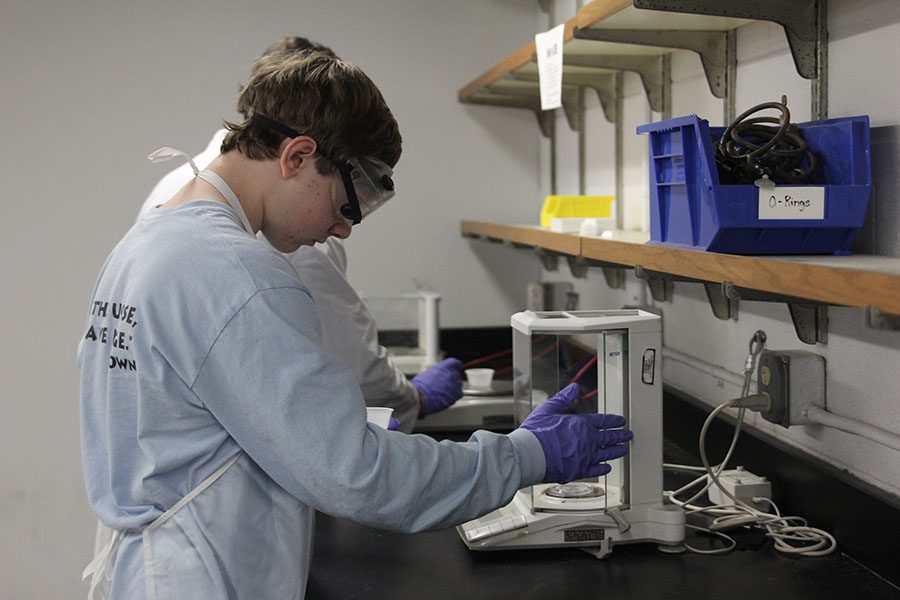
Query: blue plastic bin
<point x="689" y="208"/>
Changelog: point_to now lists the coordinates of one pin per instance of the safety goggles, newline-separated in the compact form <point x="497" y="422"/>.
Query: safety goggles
<point x="367" y="181"/>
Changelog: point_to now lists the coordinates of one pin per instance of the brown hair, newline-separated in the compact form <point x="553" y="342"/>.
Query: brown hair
<point x="288" y="43"/>
<point x="319" y="95"/>
<point x="295" y="43"/>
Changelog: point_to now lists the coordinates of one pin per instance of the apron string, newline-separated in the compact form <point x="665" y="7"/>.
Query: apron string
<point x="100" y="569"/>
<point x="166" y="153"/>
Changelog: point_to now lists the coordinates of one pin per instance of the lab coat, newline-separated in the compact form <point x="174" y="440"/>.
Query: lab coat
<point x="348" y="327"/>
<point x="200" y="363"/>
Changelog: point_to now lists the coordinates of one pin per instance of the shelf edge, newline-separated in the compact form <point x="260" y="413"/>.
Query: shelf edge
<point x="828" y="284"/>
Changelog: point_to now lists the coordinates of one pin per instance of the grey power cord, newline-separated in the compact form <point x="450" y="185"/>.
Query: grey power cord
<point x="790" y="534"/>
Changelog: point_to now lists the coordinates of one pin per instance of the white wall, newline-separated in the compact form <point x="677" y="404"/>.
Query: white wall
<point x="862" y="373"/>
<point x="89" y="88"/>
<point x="460" y="162"/>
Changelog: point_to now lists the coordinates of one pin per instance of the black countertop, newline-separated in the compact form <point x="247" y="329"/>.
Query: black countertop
<point x="352" y="561"/>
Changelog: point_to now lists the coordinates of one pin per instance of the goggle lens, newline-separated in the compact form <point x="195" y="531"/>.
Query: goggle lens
<point x="368" y="185"/>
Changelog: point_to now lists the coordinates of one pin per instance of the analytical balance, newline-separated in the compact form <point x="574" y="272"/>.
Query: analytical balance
<point x="409" y="328"/>
<point x="615" y="356"/>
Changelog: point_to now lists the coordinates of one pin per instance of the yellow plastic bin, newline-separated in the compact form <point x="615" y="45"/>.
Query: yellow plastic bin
<point x="575" y="207"/>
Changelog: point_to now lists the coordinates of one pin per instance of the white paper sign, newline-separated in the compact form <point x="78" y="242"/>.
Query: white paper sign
<point x="549" y="47"/>
<point x="799" y="203"/>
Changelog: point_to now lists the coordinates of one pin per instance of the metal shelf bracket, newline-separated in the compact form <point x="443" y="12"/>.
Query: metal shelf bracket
<point x="488" y="98"/>
<point x="615" y="277"/>
<point x="613" y="274"/>
<point x="513" y="87"/>
<point x="723" y="307"/>
<point x="578" y="265"/>
<point x="810" y="319"/>
<point x="571" y="107"/>
<point x="710" y="45"/>
<point x="603" y="82"/>
<point x="549" y="260"/>
<point x="661" y="287"/>
<point x="875" y="319"/>
<point x="800" y="19"/>
<point x="810" y="322"/>
<point x="649" y="68"/>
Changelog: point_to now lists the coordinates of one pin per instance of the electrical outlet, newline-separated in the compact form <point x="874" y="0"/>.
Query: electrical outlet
<point x="792" y="380"/>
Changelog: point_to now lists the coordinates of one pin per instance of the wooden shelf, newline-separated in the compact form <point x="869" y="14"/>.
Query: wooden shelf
<point x="634" y="35"/>
<point x="588" y="15"/>
<point x="856" y="281"/>
<point x="598" y="18"/>
<point x="524" y="235"/>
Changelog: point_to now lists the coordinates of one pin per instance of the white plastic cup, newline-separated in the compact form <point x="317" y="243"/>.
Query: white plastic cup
<point x="479" y="378"/>
<point x="379" y="415"/>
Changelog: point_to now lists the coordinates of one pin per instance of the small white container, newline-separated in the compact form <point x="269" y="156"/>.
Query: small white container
<point x="379" y="415"/>
<point x="480" y="378"/>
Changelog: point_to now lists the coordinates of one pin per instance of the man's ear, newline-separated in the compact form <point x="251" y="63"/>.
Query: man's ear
<point x="295" y="153"/>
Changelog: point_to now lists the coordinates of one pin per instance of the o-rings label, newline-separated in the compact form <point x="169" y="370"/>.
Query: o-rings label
<point x="794" y="203"/>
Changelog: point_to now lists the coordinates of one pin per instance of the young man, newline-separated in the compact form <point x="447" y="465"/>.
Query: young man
<point x="349" y="330"/>
<point x="213" y="422"/>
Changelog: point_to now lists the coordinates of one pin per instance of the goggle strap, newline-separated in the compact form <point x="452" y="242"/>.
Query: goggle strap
<point x="352" y="201"/>
<point x="344" y="167"/>
<point x="274" y="125"/>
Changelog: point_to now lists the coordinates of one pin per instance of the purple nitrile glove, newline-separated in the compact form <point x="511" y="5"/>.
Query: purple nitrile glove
<point x="576" y="446"/>
<point x="393" y="424"/>
<point x="440" y="385"/>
